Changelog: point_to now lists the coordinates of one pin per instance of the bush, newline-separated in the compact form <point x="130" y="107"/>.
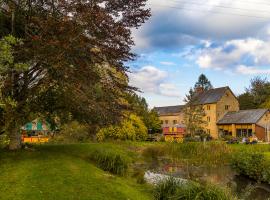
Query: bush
<point x="251" y="164"/>
<point x="132" y="128"/>
<point x="72" y="132"/>
<point x="171" y="189"/>
<point x="110" y="161"/>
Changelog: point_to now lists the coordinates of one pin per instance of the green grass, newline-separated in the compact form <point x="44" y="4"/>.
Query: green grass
<point x="86" y="171"/>
<point x="64" y="172"/>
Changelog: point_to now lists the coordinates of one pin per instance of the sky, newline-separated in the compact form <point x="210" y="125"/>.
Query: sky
<point x="227" y="40"/>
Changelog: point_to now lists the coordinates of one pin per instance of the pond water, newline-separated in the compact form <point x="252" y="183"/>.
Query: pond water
<point x="223" y="176"/>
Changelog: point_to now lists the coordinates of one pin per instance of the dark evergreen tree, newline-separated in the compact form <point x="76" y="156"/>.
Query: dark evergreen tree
<point x="203" y="83"/>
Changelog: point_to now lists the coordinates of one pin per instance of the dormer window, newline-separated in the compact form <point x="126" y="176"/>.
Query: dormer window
<point x="227" y="107"/>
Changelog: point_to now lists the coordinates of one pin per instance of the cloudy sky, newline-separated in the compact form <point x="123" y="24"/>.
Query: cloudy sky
<point x="227" y="40"/>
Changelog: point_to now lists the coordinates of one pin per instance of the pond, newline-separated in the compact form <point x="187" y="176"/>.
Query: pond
<point x="223" y="176"/>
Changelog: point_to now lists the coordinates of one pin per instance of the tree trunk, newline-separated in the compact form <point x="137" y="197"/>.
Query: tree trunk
<point x="15" y="142"/>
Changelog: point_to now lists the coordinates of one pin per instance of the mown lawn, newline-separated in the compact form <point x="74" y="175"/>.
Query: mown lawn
<point x="63" y="172"/>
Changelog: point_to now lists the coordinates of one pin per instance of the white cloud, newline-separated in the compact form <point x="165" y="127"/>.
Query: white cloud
<point x="180" y="23"/>
<point x="150" y="79"/>
<point x="235" y="53"/>
<point x="242" y="69"/>
<point x="167" y="63"/>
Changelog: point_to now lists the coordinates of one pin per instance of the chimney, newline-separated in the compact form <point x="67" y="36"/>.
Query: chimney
<point x="199" y="90"/>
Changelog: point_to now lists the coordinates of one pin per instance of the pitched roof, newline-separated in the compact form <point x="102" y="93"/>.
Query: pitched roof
<point x="169" y="109"/>
<point x="243" y="117"/>
<point x="210" y="96"/>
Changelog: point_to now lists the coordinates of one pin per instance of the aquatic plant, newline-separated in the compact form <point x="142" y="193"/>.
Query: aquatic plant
<point x="111" y="161"/>
<point x="171" y="189"/>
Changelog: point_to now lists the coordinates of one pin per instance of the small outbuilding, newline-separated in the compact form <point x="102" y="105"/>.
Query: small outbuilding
<point x="245" y="123"/>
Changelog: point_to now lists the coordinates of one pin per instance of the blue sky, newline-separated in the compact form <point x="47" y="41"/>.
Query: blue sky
<point x="227" y="40"/>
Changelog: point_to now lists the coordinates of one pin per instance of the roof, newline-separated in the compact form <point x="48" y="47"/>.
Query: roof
<point x="211" y="96"/>
<point x="243" y="117"/>
<point x="169" y="109"/>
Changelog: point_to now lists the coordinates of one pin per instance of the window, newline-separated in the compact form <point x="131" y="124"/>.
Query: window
<point x="166" y="121"/>
<point x="227" y="107"/>
<point x="208" y="119"/>
<point x="208" y="131"/>
<point x="208" y="107"/>
<point x="162" y="121"/>
<point x="174" y="121"/>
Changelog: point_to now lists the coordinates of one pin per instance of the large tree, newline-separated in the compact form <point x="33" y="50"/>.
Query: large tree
<point x="257" y="95"/>
<point x="203" y="83"/>
<point x="194" y="112"/>
<point x="65" y="59"/>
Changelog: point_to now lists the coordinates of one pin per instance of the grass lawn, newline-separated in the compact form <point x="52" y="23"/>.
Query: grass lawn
<point x="63" y="172"/>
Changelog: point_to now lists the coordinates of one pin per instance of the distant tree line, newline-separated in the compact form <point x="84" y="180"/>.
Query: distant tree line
<point x="257" y="95"/>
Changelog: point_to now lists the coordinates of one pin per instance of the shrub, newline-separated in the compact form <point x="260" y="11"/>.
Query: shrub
<point x="132" y="128"/>
<point x="110" y="161"/>
<point x="251" y="164"/>
<point x="171" y="189"/>
<point x="72" y="132"/>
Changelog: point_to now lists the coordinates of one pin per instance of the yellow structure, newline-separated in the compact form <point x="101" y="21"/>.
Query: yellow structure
<point x="222" y="115"/>
<point x="170" y="115"/>
<point x="246" y="123"/>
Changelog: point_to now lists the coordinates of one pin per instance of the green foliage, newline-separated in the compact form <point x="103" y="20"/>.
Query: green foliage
<point x="140" y="107"/>
<point x="166" y="189"/>
<point x="132" y="128"/>
<point x="257" y="95"/>
<point x="194" y="119"/>
<point x="210" y="153"/>
<point x="246" y="101"/>
<point x="72" y="132"/>
<point x="152" y="153"/>
<point x="110" y="161"/>
<point x="251" y="164"/>
<point x="194" y="112"/>
<point x="203" y="83"/>
<point x="47" y="70"/>
<point x="171" y="189"/>
<point x="4" y="141"/>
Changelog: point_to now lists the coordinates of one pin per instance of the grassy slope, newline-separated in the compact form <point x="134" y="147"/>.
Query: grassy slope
<point x="62" y="172"/>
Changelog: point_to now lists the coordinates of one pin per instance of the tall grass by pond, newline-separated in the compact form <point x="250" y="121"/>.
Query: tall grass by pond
<point x="171" y="189"/>
<point x="210" y="153"/>
<point x="111" y="161"/>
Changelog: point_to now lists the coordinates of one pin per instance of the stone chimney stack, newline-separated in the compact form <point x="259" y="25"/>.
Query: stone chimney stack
<point x="199" y="90"/>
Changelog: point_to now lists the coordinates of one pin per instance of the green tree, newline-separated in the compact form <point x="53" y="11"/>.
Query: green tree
<point x="257" y="95"/>
<point x="194" y="119"/>
<point x="203" y="83"/>
<point x="68" y="62"/>
<point x="246" y="101"/>
<point x="131" y="128"/>
<point x="194" y="113"/>
<point x="140" y="107"/>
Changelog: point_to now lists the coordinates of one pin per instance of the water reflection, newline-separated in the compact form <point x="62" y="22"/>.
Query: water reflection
<point x="243" y="187"/>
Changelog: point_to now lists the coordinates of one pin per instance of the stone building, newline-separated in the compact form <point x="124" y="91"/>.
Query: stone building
<point x="222" y="115"/>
